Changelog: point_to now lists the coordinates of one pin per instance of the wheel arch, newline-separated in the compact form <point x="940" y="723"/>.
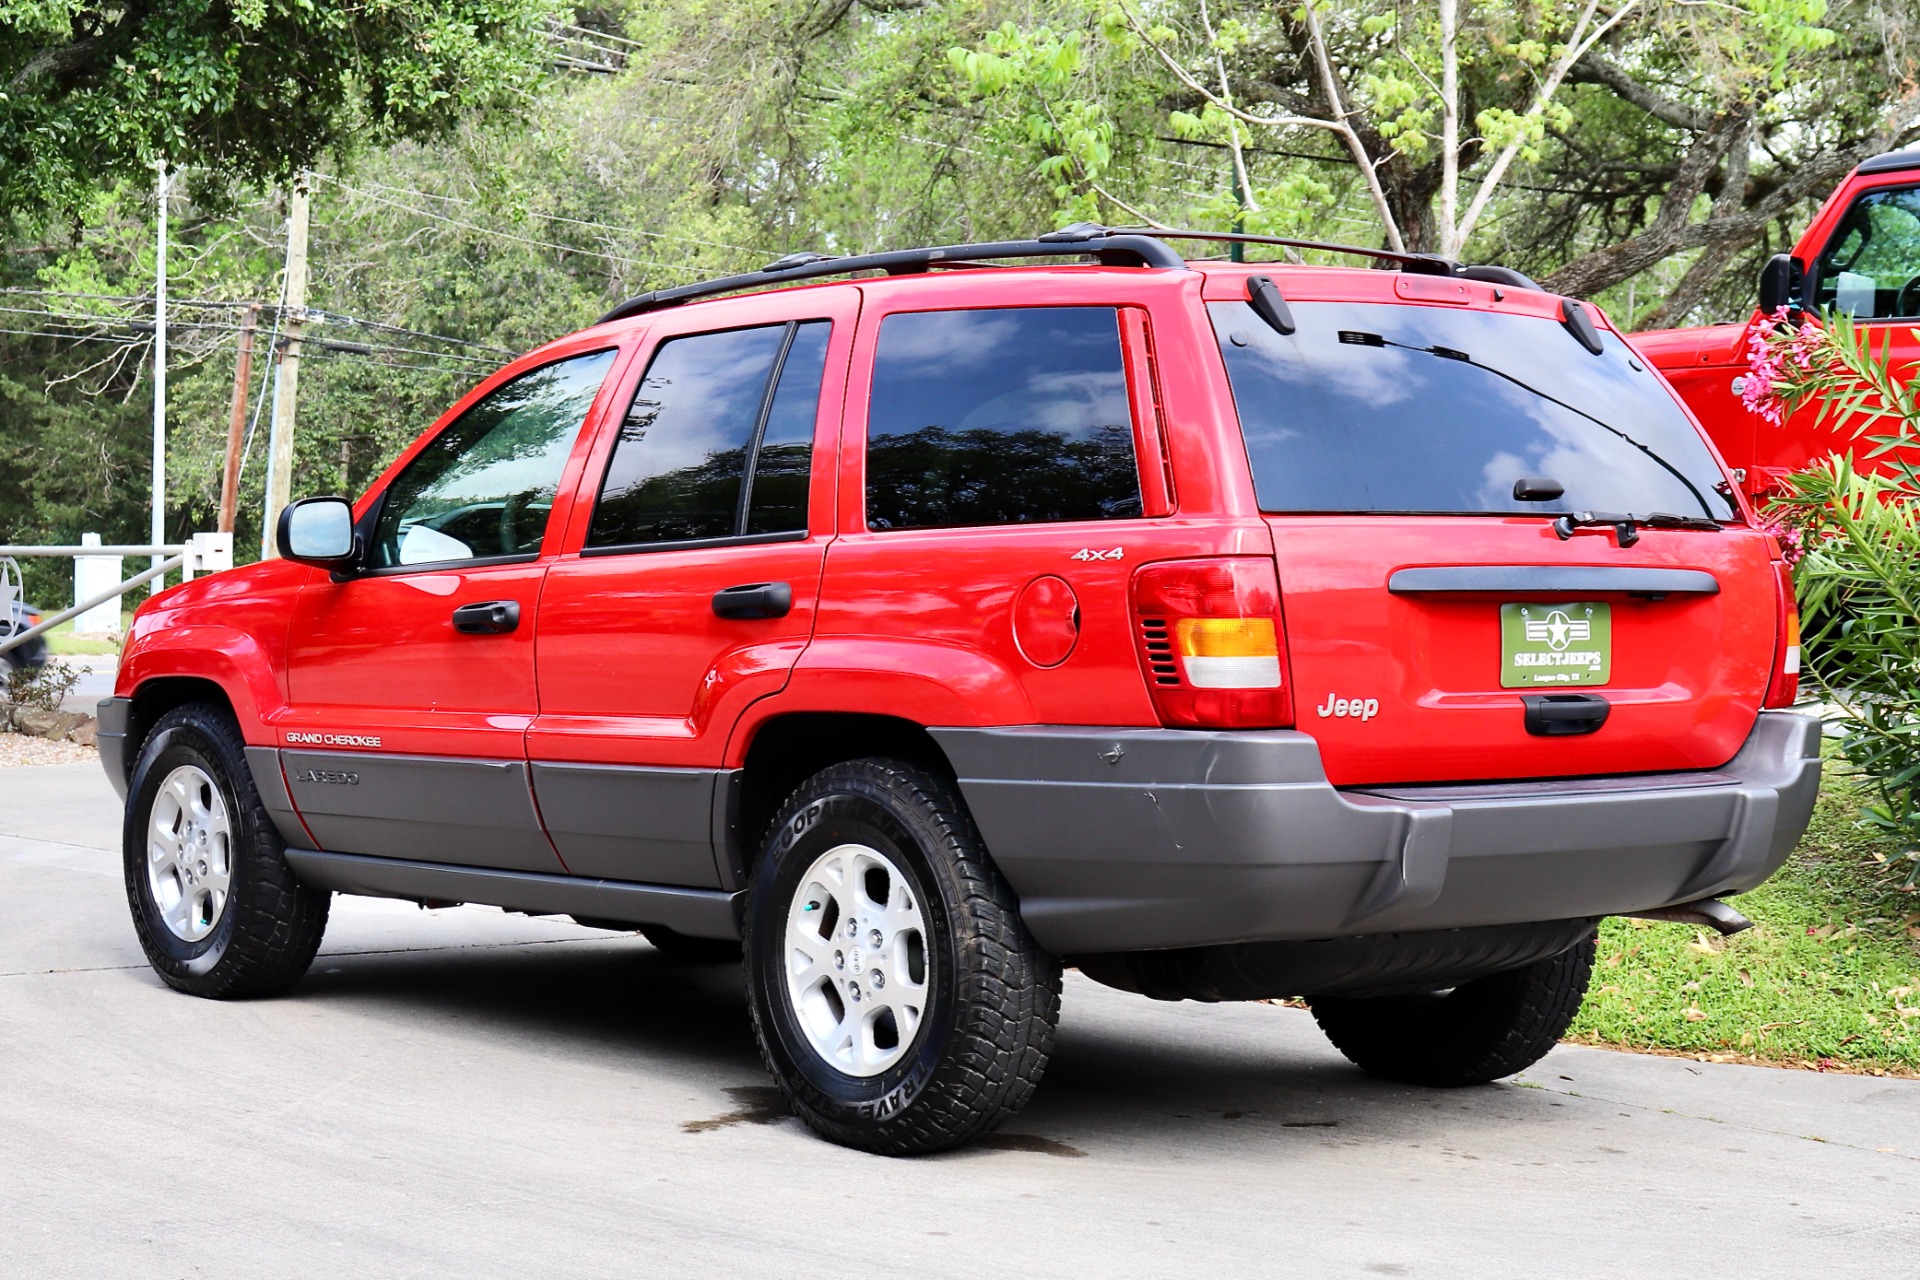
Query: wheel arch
<point x="784" y="750"/>
<point x="153" y="698"/>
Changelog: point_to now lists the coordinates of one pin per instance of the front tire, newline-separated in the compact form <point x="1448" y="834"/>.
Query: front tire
<point x="1476" y="1033"/>
<point x="216" y="907"/>
<point x="897" y="997"/>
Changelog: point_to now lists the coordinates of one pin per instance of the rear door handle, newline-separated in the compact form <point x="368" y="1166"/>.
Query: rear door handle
<point x="490" y="618"/>
<point x="754" y="600"/>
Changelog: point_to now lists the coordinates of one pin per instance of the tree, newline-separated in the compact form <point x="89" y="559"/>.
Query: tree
<point x="245" y="92"/>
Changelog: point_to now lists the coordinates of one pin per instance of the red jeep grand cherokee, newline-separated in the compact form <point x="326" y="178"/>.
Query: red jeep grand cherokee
<point x="1226" y="631"/>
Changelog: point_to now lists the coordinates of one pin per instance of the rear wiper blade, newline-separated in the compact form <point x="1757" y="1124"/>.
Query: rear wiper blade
<point x="1626" y="525"/>
<point x="1352" y="338"/>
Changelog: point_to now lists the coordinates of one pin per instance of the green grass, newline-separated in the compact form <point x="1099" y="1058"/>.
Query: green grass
<point x="1828" y="976"/>
<point x="62" y="640"/>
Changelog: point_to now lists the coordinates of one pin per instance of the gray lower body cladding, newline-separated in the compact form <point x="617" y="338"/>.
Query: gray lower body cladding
<point x="476" y="813"/>
<point x="114" y="714"/>
<point x="698" y="913"/>
<point x="1195" y="839"/>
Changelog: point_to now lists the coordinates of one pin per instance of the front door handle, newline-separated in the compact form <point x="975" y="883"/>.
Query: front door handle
<point x="754" y="600"/>
<point x="490" y="618"/>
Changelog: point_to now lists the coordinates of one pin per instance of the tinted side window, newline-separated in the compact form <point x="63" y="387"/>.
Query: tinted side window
<point x="484" y="486"/>
<point x="1010" y="416"/>
<point x="680" y="469"/>
<point x="781" y="469"/>
<point x="1871" y="267"/>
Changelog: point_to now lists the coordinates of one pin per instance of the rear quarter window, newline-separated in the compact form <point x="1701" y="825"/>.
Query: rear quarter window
<point x="1372" y="407"/>
<point x="1003" y="416"/>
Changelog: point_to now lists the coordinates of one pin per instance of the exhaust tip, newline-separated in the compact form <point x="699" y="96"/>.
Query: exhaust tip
<point x="1711" y="912"/>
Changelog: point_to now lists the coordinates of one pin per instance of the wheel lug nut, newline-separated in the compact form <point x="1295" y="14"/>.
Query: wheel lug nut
<point x="839" y="959"/>
<point x="874" y="939"/>
<point x="853" y="989"/>
<point x="877" y="979"/>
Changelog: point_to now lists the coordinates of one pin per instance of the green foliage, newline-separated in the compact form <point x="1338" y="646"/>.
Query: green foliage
<point x="1859" y="573"/>
<point x="242" y="93"/>
<point x="39" y="687"/>
<point x="1829" y="974"/>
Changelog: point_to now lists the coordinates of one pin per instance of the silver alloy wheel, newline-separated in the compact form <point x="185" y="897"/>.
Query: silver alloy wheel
<point x="857" y="961"/>
<point x="189" y="852"/>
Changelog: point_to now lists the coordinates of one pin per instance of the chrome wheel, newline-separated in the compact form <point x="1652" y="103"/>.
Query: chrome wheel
<point x="857" y="960"/>
<point x="189" y="853"/>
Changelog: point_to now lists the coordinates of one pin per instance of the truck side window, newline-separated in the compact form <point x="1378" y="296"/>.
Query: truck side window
<point x="1003" y="416"/>
<point x="718" y="442"/>
<point x="1871" y="267"/>
<point x="483" y="488"/>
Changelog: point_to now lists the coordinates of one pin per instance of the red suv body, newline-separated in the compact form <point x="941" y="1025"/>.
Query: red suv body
<point x="1202" y="589"/>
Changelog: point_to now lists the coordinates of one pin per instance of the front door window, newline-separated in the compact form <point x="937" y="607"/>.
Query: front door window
<point x="483" y="488"/>
<point x="1871" y="267"/>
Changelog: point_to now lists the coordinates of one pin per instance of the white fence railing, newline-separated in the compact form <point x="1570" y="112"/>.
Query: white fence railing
<point x="203" y="553"/>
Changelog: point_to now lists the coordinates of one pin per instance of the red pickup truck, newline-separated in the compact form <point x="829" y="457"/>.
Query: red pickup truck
<point x="1861" y="255"/>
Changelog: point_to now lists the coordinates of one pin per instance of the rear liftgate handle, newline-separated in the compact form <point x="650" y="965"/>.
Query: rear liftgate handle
<point x="754" y="600"/>
<point x="491" y="618"/>
<point x="1556" y="715"/>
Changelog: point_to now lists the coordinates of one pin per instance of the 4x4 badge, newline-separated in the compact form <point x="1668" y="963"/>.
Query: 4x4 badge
<point x="1090" y="553"/>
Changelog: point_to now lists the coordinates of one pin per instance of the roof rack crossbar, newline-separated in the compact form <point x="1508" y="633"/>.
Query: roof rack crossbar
<point x="1112" y="249"/>
<point x="1421" y="263"/>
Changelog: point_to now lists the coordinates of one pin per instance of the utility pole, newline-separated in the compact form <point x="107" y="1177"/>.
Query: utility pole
<point x="287" y="384"/>
<point x="237" y="421"/>
<point x="159" y="524"/>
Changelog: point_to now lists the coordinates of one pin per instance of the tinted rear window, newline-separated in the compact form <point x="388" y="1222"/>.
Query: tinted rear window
<point x="1005" y="416"/>
<point x="1373" y="407"/>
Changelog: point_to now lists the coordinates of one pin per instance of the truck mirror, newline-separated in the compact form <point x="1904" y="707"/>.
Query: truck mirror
<point x="317" y="531"/>
<point x="1782" y="281"/>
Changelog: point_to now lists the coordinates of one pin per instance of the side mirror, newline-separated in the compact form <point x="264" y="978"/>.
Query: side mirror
<point x="1782" y="282"/>
<point x="317" y="531"/>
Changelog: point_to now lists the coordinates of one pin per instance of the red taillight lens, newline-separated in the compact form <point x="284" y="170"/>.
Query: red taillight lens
<point x="1211" y="643"/>
<point x="1784" y="689"/>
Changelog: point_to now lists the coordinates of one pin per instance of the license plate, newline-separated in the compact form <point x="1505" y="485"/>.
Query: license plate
<point x="1544" y="645"/>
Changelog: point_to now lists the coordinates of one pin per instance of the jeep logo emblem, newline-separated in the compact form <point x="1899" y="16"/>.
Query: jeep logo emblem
<point x="1362" y="709"/>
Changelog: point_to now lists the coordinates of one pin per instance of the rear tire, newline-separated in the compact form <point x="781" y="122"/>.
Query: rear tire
<point x="217" y="909"/>
<point x="897" y="997"/>
<point x="1478" y="1032"/>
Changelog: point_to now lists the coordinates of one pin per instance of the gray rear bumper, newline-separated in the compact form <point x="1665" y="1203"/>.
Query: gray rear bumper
<point x="1190" y="838"/>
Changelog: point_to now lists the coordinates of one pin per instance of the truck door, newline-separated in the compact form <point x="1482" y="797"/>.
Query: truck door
<point x="411" y="684"/>
<point x="1869" y="268"/>
<point x="688" y="584"/>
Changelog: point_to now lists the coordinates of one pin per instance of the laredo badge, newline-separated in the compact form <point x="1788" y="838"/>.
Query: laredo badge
<point x="1542" y="645"/>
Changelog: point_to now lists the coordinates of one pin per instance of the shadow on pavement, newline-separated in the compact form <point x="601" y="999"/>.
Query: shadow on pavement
<point x="1124" y="1067"/>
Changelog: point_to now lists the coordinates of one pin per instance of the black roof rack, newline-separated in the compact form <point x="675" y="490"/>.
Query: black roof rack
<point x="1112" y="246"/>
<point x="1113" y="249"/>
<point x="1430" y="264"/>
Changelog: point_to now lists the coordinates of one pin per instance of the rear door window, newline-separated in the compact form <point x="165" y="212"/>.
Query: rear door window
<point x="718" y="442"/>
<point x="1003" y="416"/>
<point x="1377" y="407"/>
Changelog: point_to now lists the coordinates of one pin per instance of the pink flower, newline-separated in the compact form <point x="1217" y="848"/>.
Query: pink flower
<point x="1778" y="351"/>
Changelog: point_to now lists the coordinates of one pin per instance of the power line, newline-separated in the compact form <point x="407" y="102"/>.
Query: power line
<point x="544" y="217"/>
<point x="508" y="235"/>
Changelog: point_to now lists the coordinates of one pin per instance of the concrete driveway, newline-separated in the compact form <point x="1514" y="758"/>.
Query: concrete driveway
<point x="465" y="1093"/>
